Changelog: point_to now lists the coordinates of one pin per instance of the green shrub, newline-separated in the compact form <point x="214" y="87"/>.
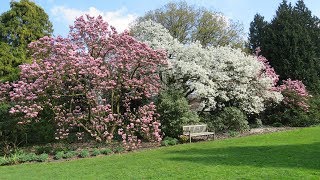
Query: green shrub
<point x="96" y="152"/>
<point x="184" y="138"/>
<point x="84" y="153"/>
<point x="4" y="161"/>
<point x="233" y="133"/>
<point x="70" y="154"/>
<point x="294" y="115"/>
<point x="40" y="132"/>
<point x="59" y="155"/>
<point x="33" y="157"/>
<point x="11" y="133"/>
<point x="175" y="112"/>
<point x="277" y="124"/>
<point x="28" y="157"/>
<point x="257" y="123"/>
<point x="106" y="151"/>
<point x="14" y="158"/>
<point x="229" y="119"/>
<point x="118" y="149"/>
<point x="43" y="149"/>
<point x="42" y="157"/>
<point x="169" y="141"/>
<point x="63" y="147"/>
<point x="286" y="116"/>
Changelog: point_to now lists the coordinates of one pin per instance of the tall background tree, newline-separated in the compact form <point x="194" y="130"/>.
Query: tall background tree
<point x="291" y="43"/>
<point x="23" y="23"/>
<point x="189" y="24"/>
<point x="256" y="32"/>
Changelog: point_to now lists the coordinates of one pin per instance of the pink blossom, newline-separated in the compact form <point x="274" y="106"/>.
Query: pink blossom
<point x="295" y="93"/>
<point x="86" y="78"/>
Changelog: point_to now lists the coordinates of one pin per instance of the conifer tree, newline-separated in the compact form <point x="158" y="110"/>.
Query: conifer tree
<point x="256" y="32"/>
<point x="23" y="23"/>
<point x="291" y="43"/>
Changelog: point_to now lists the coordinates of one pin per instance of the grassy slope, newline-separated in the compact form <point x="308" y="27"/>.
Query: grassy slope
<point x="292" y="154"/>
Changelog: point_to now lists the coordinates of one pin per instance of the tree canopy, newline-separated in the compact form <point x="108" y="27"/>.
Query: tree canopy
<point x="189" y="24"/>
<point x="218" y="76"/>
<point x="23" y="23"/>
<point x="97" y="80"/>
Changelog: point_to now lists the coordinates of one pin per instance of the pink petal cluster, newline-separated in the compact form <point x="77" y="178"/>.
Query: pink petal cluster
<point x="268" y="69"/>
<point x="90" y="81"/>
<point x="295" y="93"/>
<point x="143" y="123"/>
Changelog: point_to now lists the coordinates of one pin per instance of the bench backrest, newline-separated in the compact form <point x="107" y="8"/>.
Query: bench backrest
<point x="194" y="128"/>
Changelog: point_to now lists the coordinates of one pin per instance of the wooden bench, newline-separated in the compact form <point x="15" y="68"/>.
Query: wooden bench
<point x="196" y="130"/>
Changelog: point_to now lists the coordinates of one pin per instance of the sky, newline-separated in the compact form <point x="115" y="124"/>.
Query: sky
<point x="120" y="13"/>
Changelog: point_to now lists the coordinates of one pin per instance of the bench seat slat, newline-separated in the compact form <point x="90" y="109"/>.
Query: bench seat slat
<point x="195" y="128"/>
<point x="200" y="134"/>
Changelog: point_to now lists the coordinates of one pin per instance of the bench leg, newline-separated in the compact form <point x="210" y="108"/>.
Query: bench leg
<point x="189" y="137"/>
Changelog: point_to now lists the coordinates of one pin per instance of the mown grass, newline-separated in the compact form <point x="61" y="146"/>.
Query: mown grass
<point x="285" y="155"/>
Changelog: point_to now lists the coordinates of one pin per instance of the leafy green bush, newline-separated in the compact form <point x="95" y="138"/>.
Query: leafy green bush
<point x="96" y="152"/>
<point x="59" y="155"/>
<point x="4" y="161"/>
<point x="184" y="138"/>
<point x="11" y="133"/>
<point x="106" y="151"/>
<point x="42" y="157"/>
<point x="277" y="124"/>
<point x="28" y="157"/>
<point x="233" y="133"/>
<point x="43" y="149"/>
<point x="14" y="158"/>
<point x="293" y="115"/>
<point x="84" y="153"/>
<point x="17" y="158"/>
<point x="257" y="123"/>
<point x="118" y="149"/>
<point x="42" y="131"/>
<point x="70" y="154"/>
<point x="175" y="112"/>
<point x="169" y="141"/>
<point x="229" y="119"/>
<point x="63" y="147"/>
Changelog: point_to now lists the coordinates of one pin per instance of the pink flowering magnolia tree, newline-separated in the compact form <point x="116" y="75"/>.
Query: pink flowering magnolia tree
<point x="97" y="80"/>
<point x="293" y="91"/>
<point x="295" y="94"/>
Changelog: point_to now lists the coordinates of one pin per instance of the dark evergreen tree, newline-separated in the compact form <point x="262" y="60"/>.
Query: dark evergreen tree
<point x="278" y="38"/>
<point x="291" y="43"/>
<point x="23" y="23"/>
<point x="257" y="32"/>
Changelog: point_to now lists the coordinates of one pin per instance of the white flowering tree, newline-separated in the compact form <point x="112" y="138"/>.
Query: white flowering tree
<point x="217" y="76"/>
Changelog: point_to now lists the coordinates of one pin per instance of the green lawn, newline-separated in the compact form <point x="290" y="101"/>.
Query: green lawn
<point x="284" y="155"/>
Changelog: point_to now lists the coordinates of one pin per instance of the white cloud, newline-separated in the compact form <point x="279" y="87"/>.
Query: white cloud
<point x="120" y="18"/>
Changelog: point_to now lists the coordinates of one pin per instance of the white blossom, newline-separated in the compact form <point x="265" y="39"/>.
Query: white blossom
<point x="218" y="76"/>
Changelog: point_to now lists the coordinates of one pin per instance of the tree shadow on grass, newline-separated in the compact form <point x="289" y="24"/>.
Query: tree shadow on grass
<point x="305" y="156"/>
